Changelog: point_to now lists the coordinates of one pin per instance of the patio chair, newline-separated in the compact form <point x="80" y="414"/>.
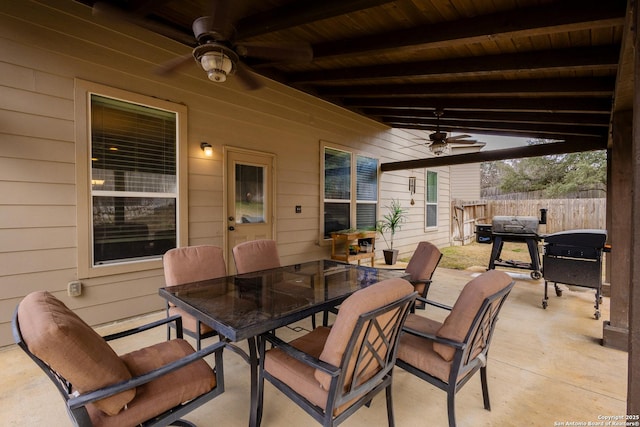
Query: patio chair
<point x="447" y="354"/>
<point x="332" y="372"/>
<point x="421" y="266"/>
<point x="256" y="255"/>
<point x="155" y="385"/>
<point x="192" y="264"/>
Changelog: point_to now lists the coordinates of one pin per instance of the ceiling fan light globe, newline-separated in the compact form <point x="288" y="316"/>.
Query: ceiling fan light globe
<point x="217" y="65"/>
<point x="216" y="75"/>
<point x="439" y="148"/>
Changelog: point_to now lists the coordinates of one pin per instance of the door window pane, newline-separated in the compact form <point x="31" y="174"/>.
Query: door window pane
<point x="250" y="193"/>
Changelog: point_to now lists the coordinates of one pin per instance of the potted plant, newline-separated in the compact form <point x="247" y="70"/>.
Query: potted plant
<point x="392" y="222"/>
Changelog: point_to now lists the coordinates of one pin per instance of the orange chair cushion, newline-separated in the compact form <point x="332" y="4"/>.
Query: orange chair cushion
<point x="360" y="302"/>
<point x="163" y="393"/>
<point x="423" y="262"/>
<point x="192" y="264"/>
<point x="418" y="352"/>
<point x="72" y="348"/>
<point x="256" y="255"/>
<point x="456" y="326"/>
<point x="298" y="375"/>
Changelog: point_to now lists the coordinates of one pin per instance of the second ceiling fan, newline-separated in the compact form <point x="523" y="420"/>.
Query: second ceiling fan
<point x="438" y="141"/>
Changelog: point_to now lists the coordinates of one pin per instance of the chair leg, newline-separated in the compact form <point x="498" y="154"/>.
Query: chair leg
<point x="390" y="417"/>
<point x="485" y="388"/>
<point x="198" y="337"/>
<point x="451" y="406"/>
<point x="260" y="385"/>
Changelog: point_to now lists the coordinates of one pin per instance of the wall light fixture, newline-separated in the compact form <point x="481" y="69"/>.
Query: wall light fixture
<point x="207" y="148"/>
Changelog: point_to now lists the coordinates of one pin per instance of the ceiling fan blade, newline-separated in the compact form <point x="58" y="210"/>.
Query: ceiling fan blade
<point x="424" y="143"/>
<point x="173" y="65"/>
<point x="281" y="51"/>
<point x="247" y="78"/>
<point x="462" y="141"/>
<point x="453" y="138"/>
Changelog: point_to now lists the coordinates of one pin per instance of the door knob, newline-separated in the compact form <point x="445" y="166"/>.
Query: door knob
<point x="231" y="218"/>
<point x="232" y="228"/>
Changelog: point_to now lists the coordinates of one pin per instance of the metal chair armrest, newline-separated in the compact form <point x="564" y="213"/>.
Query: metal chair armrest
<point x="434" y="303"/>
<point x="84" y="399"/>
<point x="175" y="318"/>
<point x="435" y="338"/>
<point x="301" y="356"/>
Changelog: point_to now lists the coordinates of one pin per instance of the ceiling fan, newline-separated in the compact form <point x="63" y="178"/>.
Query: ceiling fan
<point x="438" y="141"/>
<point x="216" y="50"/>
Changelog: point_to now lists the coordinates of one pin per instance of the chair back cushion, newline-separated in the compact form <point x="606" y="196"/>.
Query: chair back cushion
<point x="424" y="261"/>
<point x="456" y="326"/>
<point x="360" y="302"/>
<point x="192" y="264"/>
<point x="57" y="336"/>
<point x="256" y="255"/>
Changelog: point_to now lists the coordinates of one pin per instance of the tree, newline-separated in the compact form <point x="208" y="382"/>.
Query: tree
<point x="555" y="175"/>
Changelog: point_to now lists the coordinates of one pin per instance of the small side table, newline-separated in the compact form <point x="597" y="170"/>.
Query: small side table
<point x="347" y="238"/>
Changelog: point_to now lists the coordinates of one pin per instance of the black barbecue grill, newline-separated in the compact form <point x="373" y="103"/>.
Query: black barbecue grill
<point x="521" y="229"/>
<point x="574" y="257"/>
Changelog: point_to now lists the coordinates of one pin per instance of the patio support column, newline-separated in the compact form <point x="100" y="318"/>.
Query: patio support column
<point x="619" y="219"/>
<point x="633" y="388"/>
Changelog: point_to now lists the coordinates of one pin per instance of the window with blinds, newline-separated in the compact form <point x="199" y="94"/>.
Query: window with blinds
<point x="349" y="198"/>
<point x="431" y="198"/>
<point x="366" y="192"/>
<point x="134" y="188"/>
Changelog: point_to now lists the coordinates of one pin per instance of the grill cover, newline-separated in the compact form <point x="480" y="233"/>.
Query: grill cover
<point x="515" y="224"/>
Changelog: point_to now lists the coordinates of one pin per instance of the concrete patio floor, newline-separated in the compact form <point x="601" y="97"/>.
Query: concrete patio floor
<point x="545" y="368"/>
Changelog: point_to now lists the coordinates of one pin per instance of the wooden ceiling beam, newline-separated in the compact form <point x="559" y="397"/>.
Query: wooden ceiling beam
<point x="599" y="58"/>
<point x="546" y="19"/>
<point x="597" y="105"/>
<point x="457" y="116"/>
<point x="575" y="145"/>
<point x="552" y="131"/>
<point x="299" y="13"/>
<point x="580" y="86"/>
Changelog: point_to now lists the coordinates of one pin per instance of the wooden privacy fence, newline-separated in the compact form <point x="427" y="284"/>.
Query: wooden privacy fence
<point x="562" y="214"/>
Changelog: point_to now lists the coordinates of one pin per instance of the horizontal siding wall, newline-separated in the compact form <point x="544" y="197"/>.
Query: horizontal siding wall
<point x="47" y="45"/>
<point x="465" y="181"/>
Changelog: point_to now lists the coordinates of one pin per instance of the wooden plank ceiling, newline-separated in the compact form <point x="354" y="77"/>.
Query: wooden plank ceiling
<point x="530" y="68"/>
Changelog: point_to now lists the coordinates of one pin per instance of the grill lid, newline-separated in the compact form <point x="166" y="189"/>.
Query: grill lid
<point x="515" y="224"/>
<point x="593" y="238"/>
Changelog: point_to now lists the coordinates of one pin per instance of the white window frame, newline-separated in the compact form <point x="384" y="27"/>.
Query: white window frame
<point x="427" y="202"/>
<point x="83" y="91"/>
<point x="353" y="201"/>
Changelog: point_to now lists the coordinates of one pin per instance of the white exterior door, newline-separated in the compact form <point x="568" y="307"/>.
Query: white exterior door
<point x="249" y="200"/>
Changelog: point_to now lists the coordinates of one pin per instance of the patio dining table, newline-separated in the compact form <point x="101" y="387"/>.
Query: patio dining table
<point x="243" y="307"/>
